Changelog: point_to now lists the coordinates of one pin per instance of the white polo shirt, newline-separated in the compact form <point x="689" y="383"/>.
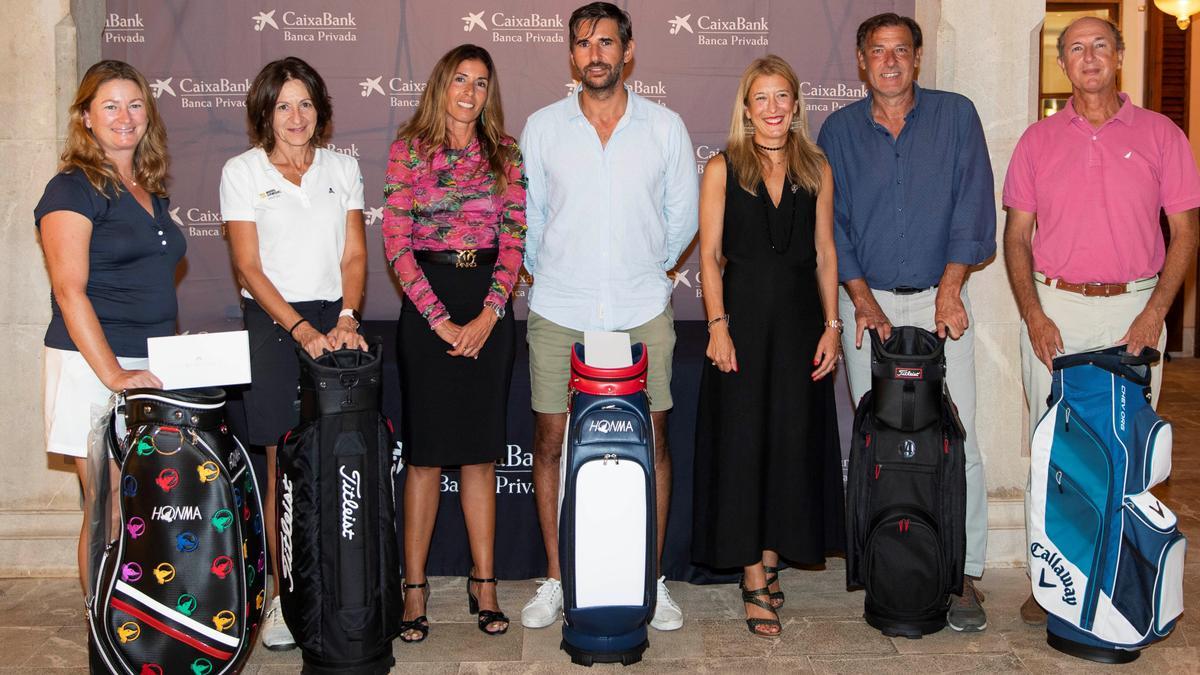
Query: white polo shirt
<point x="301" y="229"/>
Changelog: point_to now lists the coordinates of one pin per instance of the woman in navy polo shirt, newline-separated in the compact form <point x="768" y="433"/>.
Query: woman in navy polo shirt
<point x="111" y="251"/>
<point x="294" y="212"/>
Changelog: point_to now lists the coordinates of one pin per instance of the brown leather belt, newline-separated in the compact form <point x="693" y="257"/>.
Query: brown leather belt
<point x="1097" y="289"/>
<point x="466" y="258"/>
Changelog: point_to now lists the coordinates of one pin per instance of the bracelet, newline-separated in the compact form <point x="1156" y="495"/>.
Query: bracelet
<point x="719" y="319"/>
<point x="292" y="330"/>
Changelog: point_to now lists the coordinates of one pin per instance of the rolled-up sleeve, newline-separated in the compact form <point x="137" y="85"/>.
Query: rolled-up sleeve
<point x="973" y="218"/>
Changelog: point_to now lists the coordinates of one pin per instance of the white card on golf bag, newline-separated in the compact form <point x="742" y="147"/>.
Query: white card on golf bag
<point x="200" y="359"/>
<point x="602" y="349"/>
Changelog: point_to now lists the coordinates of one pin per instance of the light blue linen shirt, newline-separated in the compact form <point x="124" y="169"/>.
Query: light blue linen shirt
<point x="606" y="222"/>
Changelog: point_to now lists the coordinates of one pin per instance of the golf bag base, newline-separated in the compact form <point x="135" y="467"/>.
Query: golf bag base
<point x="374" y="665"/>
<point x="913" y="629"/>
<point x="612" y="650"/>
<point x="1083" y="650"/>
<point x="607" y="543"/>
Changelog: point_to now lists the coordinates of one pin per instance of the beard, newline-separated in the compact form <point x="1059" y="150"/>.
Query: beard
<point x="608" y="84"/>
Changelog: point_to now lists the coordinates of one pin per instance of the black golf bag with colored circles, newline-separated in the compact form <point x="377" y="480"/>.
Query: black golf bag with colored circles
<point x="178" y="586"/>
<point x="339" y="559"/>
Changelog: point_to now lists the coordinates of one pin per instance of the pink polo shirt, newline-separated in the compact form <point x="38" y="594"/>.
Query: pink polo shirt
<point x="1097" y="192"/>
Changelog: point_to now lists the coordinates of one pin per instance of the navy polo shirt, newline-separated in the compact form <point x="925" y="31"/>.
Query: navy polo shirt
<point x="906" y="207"/>
<point x="131" y="263"/>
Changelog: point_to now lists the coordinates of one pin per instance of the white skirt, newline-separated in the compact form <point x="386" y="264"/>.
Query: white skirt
<point x="75" y="399"/>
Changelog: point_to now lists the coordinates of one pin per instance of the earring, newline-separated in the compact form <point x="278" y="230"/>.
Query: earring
<point x="796" y="124"/>
<point x="747" y="128"/>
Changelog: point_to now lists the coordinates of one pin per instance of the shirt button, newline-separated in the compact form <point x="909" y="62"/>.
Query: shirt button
<point x="160" y="233"/>
<point x="897" y="181"/>
<point x="164" y="243"/>
<point x="1093" y="138"/>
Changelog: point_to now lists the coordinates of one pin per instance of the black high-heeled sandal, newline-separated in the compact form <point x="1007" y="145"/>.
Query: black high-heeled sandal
<point x="751" y="597"/>
<point x="419" y="624"/>
<point x="486" y="616"/>
<point x="777" y="597"/>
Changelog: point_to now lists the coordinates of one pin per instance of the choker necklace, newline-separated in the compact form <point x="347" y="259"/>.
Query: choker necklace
<point x="768" y="148"/>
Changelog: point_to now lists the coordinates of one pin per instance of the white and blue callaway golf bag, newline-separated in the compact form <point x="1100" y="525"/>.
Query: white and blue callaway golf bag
<point x="606" y="523"/>
<point x="1105" y="555"/>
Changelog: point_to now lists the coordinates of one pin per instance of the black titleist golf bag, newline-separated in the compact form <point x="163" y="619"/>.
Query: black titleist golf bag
<point x="906" y="497"/>
<point x="339" y="559"/>
<point x="179" y="588"/>
<point x="606" y="523"/>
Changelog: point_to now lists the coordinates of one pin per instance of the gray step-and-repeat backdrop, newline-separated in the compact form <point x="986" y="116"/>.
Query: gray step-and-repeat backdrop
<point x="200" y="58"/>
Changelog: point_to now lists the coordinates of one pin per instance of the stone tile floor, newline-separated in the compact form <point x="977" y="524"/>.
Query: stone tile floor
<point x="41" y="627"/>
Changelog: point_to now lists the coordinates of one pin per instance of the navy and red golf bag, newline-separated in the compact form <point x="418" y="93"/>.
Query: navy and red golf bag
<point x="606" y="524"/>
<point x="339" y="560"/>
<point x="178" y="588"/>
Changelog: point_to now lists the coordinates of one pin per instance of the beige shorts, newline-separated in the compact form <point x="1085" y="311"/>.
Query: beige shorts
<point x="550" y="360"/>
<point x="75" y="399"/>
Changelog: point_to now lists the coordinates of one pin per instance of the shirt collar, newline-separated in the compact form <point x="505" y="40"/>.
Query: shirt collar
<point x="633" y="108"/>
<point x="1124" y="113"/>
<point x="265" y="161"/>
<point x="908" y="116"/>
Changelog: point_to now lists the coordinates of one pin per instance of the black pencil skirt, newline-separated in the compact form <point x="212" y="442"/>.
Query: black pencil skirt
<point x="454" y="409"/>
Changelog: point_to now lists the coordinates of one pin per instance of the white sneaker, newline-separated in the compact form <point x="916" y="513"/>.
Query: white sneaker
<point x="546" y="605"/>
<point x="275" y="633"/>
<point x="667" y="615"/>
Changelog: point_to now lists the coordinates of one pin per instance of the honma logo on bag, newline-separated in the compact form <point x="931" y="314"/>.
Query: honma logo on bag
<point x="164" y="572"/>
<point x="222" y="519"/>
<point x="224" y="620"/>
<point x="167" y="479"/>
<point x="169" y="514"/>
<point x="187" y="542"/>
<point x="222" y="565"/>
<point x="208" y="471"/>
<point x="604" y="426"/>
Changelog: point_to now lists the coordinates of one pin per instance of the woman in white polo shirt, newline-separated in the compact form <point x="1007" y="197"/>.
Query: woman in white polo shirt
<point x="295" y="223"/>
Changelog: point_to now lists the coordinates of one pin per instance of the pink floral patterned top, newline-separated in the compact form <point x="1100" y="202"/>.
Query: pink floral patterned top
<point x="446" y="203"/>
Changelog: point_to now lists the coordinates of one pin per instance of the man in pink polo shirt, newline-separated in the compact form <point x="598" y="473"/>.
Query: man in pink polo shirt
<point x="1090" y="180"/>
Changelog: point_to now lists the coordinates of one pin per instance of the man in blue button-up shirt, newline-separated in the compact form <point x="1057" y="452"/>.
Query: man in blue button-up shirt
<point x="611" y="203"/>
<point x="913" y="210"/>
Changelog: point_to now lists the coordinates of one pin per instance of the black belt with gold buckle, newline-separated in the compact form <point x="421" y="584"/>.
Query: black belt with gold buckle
<point x="464" y="259"/>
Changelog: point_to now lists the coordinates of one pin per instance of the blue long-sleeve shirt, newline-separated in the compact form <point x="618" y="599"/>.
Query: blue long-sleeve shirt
<point x="606" y="222"/>
<point x="906" y="207"/>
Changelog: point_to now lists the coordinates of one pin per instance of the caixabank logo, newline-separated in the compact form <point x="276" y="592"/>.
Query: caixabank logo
<point x="831" y="96"/>
<point x="198" y="223"/>
<point x="533" y="27"/>
<point x="721" y="31"/>
<point x="400" y="92"/>
<point x="194" y="92"/>
<point x="124" y="28"/>
<point x="305" y="27"/>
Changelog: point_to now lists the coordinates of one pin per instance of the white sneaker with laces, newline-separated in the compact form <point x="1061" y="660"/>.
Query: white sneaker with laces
<point x="545" y="607"/>
<point x="275" y="633"/>
<point x="667" y="615"/>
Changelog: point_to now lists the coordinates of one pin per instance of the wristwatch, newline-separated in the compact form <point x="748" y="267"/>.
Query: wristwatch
<point x="498" y="309"/>
<point x="835" y="323"/>
<point x="353" y="314"/>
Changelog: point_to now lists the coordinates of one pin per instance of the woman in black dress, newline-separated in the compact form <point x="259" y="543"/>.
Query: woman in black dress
<point x="454" y="233"/>
<point x="768" y="482"/>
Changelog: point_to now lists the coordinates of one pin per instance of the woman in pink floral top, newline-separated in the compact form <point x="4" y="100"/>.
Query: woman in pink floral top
<point x="454" y="232"/>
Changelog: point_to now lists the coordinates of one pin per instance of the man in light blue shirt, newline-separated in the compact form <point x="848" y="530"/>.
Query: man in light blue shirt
<point x="612" y="202"/>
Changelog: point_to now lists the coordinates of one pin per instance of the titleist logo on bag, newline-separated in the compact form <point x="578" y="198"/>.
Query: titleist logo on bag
<point x="285" y="534"/>
<point x="351" y="494"/>
<point x="909" y="373"/>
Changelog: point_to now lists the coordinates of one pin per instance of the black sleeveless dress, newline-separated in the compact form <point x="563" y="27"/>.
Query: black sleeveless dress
<point x="768" y="462"/>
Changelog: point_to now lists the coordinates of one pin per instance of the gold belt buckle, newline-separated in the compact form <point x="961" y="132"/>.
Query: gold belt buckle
<point x="466" y="258"/>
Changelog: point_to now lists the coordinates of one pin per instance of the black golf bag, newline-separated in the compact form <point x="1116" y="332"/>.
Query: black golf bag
<point x="906" y="497"/>
<point x="339" y="560"/>
<point x="179" y="588"/>
<point x="606" y="522"/>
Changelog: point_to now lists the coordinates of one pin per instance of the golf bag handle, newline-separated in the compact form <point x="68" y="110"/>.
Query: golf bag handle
<point x="1115" y="360"/>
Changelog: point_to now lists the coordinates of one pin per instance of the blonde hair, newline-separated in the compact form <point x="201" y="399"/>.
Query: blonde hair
<point x="82" y="152"/>
<point x="428" y="125"/>
<point x="805" y="161"/>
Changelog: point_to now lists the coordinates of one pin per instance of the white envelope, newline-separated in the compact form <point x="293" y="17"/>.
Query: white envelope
<point x="201" y="360"/>
<point x="603" y="349"/>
